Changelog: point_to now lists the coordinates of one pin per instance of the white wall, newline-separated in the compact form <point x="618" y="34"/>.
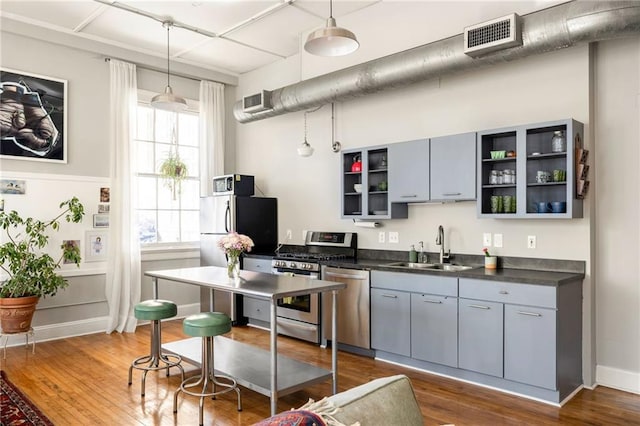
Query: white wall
<point x="617" y="246"/>
<point x="545" y="87"/>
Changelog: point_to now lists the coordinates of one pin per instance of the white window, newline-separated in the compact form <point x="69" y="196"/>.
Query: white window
<point x="165" y="216"/>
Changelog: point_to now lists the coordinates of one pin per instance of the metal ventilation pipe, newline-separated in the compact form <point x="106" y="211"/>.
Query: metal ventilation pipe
<point x="558" y="27"/>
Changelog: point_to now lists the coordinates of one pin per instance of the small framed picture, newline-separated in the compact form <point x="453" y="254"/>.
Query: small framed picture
<point x="103" y="208"/>
<point x="95" y="246"/>
<point x="101" y="220"/>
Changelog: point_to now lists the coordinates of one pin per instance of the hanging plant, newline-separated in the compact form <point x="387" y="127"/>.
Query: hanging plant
<point x="174" y="171"/>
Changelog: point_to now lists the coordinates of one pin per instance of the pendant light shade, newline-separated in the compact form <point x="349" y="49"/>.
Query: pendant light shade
<point x="331" y="40"/>
<point x="167" y="100"/>
<point x="305" y="150"/>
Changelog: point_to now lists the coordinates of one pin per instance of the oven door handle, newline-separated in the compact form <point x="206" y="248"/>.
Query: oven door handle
<point x="298" y="325"/>
<point x="347" y="276"/>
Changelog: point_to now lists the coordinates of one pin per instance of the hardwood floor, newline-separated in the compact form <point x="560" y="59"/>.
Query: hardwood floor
<point x="83" y="381"/>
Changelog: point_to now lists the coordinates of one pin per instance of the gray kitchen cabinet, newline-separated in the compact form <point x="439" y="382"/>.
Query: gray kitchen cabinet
<point x="453" y="167"/>
<point x="252" y="308"/>
<point x="434" y="328"/>
<point x="391" y="321"/>
<point x="480" y="336"/>
<point x="531" y="150"/>
<point x="409" y="171"/>
<point x="366" y="187"/>
<point x="530" y="345"/>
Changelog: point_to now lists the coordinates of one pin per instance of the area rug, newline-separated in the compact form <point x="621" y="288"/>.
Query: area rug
<point x="16" y="407"/>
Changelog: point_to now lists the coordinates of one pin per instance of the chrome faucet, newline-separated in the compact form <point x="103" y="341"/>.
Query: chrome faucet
<point x="440" y="242"/>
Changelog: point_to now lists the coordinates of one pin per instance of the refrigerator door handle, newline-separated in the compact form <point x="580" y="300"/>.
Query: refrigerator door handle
<point x="227" y="218"/>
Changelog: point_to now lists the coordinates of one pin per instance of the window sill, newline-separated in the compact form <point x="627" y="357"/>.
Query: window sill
<point x="169" y="251"/>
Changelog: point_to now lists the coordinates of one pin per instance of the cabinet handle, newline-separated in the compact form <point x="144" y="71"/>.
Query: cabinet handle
<point x="408" y="196"/>
<point x="531" y="314"/>
<point x="432" y="301"/>
<point x="347" y="276"/>
<point x="450" y="194"/>
<point x="479" y="307"/>
<point x="503" y="292"/>
<point x="391" y="296"/>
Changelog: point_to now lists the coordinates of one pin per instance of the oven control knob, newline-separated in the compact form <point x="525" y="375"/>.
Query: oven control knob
<point x="292" y="265"/>
<point x="307" y="266"/>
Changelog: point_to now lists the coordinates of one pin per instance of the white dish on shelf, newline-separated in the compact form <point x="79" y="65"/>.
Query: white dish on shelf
<point x="381" y="212"/>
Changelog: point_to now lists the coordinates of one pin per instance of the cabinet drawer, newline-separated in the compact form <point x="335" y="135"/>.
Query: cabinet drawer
<point x="415" y="283"/>
<point x="519" y="294"/>
<point x="256" y="265"/>
<point x="256" y="308"/>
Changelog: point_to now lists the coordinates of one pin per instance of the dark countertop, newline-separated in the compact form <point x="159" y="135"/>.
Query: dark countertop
<point x="523" y="276"/>
<point x="543" y="274"/>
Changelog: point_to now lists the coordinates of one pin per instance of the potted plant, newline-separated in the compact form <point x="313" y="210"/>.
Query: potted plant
<point x="27" y="271"/>
<point x="174" y="170"/>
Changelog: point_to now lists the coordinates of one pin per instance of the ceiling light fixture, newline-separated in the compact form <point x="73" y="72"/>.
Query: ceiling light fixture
<point x="305" y="150"/>
<point x="167" y="100"/>
<point x="331" y="40"/>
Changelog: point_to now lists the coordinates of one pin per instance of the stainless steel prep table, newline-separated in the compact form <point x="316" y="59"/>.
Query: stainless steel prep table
<point x="242" y="361"/>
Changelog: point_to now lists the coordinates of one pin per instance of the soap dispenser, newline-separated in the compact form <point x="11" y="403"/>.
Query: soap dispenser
<point x="413" y="255"/>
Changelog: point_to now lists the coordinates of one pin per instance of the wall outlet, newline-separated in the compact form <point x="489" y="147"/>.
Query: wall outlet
<point x="381" y="237"/>
<point x="497" y="240"/>
<point x="486" y="239"/>
<point x="531" y="241"/>
<point x="289" y="235"/>
<point x="394" y="237"/>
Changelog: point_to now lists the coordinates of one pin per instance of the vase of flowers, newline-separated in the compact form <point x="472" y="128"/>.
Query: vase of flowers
<point x="233" y="245"/>
<point x="490" y="262"/>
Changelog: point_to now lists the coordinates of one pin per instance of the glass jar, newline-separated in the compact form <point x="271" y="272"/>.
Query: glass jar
<point x="500" y="177"/>
<point x="493" y="177"/>
<point x="558" y="141"/>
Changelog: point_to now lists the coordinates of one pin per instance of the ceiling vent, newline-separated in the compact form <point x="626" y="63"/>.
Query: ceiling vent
<point x="497" y="34"/>
<point x="259" y="102"/>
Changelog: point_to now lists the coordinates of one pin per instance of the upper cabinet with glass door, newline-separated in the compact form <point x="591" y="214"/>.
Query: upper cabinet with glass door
<point x="529" y="171"/>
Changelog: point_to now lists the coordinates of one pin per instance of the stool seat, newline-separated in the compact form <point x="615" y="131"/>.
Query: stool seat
<point x="155" y="310"/>
<point x="206" y="324"/>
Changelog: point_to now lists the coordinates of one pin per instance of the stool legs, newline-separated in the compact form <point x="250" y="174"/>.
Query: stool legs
<point x="205" y="379"/>
<point x="156" y="360"/>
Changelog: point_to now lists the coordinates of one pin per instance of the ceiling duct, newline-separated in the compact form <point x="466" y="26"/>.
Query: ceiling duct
<point x="558" y="27"/>
<point x="493" y="35"/>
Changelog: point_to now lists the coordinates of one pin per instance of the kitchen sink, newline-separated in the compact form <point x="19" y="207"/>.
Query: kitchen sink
<point x="438" y="266"/>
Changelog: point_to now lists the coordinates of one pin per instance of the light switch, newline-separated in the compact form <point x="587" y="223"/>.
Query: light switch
<point x="486" y="239"/>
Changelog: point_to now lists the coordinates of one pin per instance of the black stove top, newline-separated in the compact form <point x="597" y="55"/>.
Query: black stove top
<point x="312" y="256"/>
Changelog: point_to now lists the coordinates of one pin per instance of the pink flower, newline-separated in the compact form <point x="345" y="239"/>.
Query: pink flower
<point x="234" y="244"/>
<point x="486" y="252"/>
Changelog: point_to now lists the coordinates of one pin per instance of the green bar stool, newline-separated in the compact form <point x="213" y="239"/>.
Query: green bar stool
<point x="206" y="325"/>
<point x="155" y="310"/>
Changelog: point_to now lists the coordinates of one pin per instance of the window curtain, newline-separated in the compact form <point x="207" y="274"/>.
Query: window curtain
<point x="123" y="279"/>
<point x="211" y="134"/>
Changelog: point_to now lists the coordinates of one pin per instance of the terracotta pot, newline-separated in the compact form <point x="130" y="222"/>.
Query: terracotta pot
<point x="16" y="313"/>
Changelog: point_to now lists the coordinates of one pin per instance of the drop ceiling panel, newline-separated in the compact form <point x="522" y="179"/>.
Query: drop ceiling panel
<point x="67" y="14"/>
<point x="141" y="32"/>
<point x="278" y="32"/>
<point x="232" y="56"/>
<point x="214" y="16"/>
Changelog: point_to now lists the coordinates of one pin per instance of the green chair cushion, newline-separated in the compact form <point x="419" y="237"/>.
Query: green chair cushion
<point x="207" y="324"/>
<point x="155" y="309"/>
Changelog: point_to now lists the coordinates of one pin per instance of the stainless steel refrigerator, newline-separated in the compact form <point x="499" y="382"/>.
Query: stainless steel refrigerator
<point x="256" y="217"/>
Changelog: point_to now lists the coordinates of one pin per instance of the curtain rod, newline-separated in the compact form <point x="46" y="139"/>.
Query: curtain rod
<point x="108" y="59"/>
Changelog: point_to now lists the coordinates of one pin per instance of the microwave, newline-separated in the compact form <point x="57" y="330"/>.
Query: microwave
<point x="233" y="185"/>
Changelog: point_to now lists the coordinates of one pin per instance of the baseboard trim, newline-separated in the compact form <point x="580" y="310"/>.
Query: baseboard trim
<point x="64" y="330"/>
<point x="624" y="380"/>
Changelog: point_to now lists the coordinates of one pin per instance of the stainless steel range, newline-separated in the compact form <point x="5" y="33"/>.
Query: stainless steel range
<point x="300" y="316"/>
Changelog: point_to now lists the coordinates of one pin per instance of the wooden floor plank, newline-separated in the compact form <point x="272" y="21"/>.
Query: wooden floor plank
<point x="83" y="380"/>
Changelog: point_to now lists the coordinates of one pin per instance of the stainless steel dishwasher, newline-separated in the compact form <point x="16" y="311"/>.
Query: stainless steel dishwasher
<point x="354" y="332"/>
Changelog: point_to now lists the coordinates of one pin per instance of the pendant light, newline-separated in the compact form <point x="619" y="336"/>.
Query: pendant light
<point x="331" y="40"/>
<point x="305" y="150"/>
<point x="167" y="100"/>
